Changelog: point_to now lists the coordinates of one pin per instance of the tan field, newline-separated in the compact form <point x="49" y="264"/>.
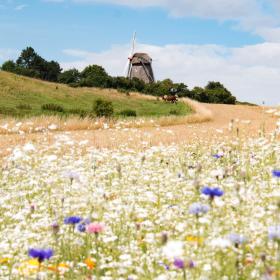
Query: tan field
<point x="210" y="122"/>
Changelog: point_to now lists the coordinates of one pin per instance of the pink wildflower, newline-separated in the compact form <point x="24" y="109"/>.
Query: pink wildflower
<point x="95" y="228"/>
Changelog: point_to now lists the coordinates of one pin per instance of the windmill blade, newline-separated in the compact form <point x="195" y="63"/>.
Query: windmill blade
<point x="127" y="66"/>
<point x="133" y="44"/>
<point x="126" y="69"/>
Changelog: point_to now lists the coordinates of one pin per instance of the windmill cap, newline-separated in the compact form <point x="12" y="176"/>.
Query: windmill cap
<point x="141" y="57"/>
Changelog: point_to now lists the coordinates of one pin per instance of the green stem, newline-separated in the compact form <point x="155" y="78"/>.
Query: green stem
<point x="184" y="274"/>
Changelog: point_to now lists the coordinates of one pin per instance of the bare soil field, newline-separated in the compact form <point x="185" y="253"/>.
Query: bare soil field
<point x="220" y="122"/>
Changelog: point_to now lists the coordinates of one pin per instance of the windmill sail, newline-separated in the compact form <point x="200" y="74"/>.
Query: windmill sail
<point x="127" y="67"/>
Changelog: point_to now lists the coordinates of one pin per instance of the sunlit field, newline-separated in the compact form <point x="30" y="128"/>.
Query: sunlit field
<point x="204" y="210"/>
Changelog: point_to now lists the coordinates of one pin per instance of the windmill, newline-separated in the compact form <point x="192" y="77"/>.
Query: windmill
<point x="139" y="65"/>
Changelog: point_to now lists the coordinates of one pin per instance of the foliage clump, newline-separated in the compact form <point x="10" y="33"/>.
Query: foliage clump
<point x="128" y="113"/>
<point x="77" y="111"/>
<point x="103" y="108"/>
<point x="25" y="107"/>
<point x="7" y="110"/>
<point x="174" y="112"/>
<point x="71" y="77"/>
<point x="53" y="107"/>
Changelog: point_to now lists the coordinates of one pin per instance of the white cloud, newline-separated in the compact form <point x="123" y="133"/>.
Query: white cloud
<point x="221" y="9"/>
<point x="20" y="7"/>
<point x="261" y="17"/>
<point x="251" y="72"/>
<point x="6" y="54"/>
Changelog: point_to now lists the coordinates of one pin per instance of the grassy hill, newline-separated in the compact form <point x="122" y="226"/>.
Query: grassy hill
<point x="21" y="96"/>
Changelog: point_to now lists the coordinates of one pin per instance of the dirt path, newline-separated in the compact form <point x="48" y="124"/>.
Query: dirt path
<point x="248" y="122"/>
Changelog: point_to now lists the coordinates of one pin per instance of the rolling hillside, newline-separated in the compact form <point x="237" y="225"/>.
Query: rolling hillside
<point x="22" y="96"/>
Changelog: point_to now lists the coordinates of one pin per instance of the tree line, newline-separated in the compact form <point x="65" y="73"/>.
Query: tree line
<point x="30" y="64"/>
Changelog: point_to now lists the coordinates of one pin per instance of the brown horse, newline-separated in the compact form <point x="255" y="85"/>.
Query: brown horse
<point x="170" y="98"/>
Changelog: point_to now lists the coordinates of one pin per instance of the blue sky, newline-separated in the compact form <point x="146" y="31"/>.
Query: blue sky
<point x="50" y="27"/>
<point x="219" y="33"/>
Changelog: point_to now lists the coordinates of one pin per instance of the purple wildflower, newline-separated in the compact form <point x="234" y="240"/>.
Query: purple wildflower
<point x="198" y="208"/>
<point x="166" y="266"/>
<point x="217" y="156"/>
<point x="274" y="232"/>
<point x="87" y="221"/>
<point x="72" y="220"/>
<point x="179" y="263"/>
<point x="236" y="239"/>
<point x="40" y="254"/>
<point x="212" y="192"/>
<point x="191" y="264"/>
<point x="72" y="175"/>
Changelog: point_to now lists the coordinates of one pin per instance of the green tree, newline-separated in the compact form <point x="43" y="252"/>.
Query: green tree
<point x="31" y="64"/>
<point x="121" y="83"/>
<point x="9" y="66"/>
<point x="182" y="90"/>
<point x="167" y="84"/>
<point x="217" y="93"/>
<point x="95" y="76"/>
<point x="198" y="93"/>
<point x="136" y="85"/>
<point x="52" y="71"/>
<point x="71" y="76"/>
<point x="29" y="59"/>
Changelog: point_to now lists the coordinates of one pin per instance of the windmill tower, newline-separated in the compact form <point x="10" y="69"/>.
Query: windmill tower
<point x="139" y="65"/>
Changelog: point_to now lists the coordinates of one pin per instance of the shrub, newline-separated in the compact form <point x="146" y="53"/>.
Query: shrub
<point x="24" y="107"/>
<point x="103" y="108"/>
<point x="174" y="112"/>
<point x="9" y="66"/>
<point x="7" y="111"/>
<point x="74" y="85"/>
<point x="122" y="90"/>
<point x="76" y="111"/>
<point x="128" y="113"/>
<point x="52" y="107"/>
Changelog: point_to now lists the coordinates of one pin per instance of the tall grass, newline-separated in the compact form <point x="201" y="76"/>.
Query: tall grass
<point x="16" y="90"/>
<point x="72" y="123"/>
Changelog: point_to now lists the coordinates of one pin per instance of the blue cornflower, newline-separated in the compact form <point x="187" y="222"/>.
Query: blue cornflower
<point x="276" y="173"/>
<point x="179" y="263"/>
<point x="212" y="192"/>
<point x="198" y="208"/>
<point x="40" y="254"/>
<point x="81" y="227"/>
<point x="236" y="239"/>
<point x="274" y="232"/>
<point x="72" y="220"/>
<point x="166" y="266"/>
<point x="218" y="156"/>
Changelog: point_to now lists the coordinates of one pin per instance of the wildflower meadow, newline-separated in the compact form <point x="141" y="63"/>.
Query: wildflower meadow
<point x="203" y="210"/>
